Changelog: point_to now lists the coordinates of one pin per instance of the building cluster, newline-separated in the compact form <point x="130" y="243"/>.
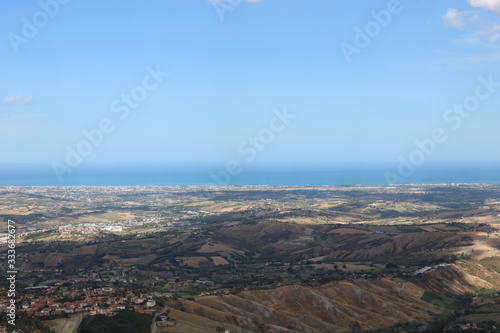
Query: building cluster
<point x="94" y="301"/>
<point x="428" y="269"/>
<point x="5" y="329"/>
<point x="473" y="326"/>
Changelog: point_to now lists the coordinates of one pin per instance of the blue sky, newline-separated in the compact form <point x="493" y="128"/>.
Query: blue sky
<point x="232" y="66"/>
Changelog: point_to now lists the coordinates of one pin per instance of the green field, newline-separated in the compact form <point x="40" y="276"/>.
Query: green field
<point x="441" y="300"/>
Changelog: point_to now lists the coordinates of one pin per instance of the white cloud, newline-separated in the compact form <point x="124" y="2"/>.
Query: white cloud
<point x="493" y="5"/>
<point x="19" y="99"/>
<point x="457" y="19"/>
<point x="490" y="33"/>
<point x="454" y="18"/>
<point x="477" y="30"/>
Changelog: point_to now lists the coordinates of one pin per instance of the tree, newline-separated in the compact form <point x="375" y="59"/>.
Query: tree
<point x="390" y="265"/>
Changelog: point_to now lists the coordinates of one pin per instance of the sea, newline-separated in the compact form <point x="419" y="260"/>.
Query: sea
<point x="223" y="174"/>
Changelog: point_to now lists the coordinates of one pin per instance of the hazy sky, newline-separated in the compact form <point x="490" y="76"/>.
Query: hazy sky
<point x="360" y="80"/>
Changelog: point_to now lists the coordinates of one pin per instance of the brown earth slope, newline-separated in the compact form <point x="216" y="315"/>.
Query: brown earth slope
<point x="335" y="307"/>
<point x="344" y="305"/>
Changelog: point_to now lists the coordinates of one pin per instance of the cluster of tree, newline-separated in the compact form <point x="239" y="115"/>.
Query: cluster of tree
<point x="487" y="293"/>
<point x="125" y="321"/>
<point x="26" y="323"/>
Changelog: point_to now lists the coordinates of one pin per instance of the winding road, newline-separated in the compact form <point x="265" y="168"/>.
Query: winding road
<point x="153" y="324"/>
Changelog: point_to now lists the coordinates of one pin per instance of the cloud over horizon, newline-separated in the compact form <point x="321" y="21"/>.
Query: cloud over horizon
<point x="19" y="99"/>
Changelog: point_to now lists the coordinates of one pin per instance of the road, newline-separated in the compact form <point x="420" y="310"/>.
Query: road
<point x="153" y="324"/>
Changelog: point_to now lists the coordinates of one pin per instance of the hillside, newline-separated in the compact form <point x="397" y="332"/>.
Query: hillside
<point x="334" y="307"/>
<point x="347" y="305"/>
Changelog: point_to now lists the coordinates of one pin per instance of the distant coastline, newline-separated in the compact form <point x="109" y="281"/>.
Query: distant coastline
<point x="271" y="174"/>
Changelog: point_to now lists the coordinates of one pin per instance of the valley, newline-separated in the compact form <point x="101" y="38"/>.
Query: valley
<point x="420" y="258"/>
